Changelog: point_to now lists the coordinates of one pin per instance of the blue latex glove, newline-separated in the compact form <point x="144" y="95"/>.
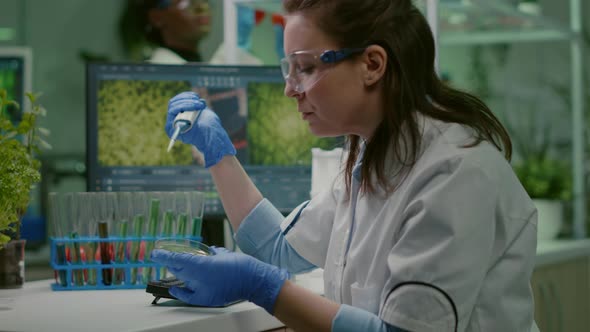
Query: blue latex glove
<point x="207" y="134"/>
<point x="223" y="278"/>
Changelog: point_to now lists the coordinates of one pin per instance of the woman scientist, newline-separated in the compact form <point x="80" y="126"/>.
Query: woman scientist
<point x="428" y="228"/>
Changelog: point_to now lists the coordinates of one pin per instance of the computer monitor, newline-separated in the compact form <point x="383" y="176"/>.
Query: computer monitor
<point x="126" y="141"/>
<point x="15" y="77"/>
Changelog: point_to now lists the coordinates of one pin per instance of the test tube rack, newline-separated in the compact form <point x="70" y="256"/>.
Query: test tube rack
<point x="88" y="273"/>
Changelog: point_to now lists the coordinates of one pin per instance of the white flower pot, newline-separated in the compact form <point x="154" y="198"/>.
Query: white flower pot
<point x="550" y="218"/>
<point x="530" y="8"/>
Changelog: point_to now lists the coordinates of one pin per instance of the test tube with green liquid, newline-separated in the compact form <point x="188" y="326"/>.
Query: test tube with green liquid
<point x="167" y="232"/>
<point x="75" y="258"/>
<point x="90" y="250"/>
<point x="197" y="202"/>
<point x="138" y="222"/>
<point x="182" y="224"/>
<point x="120" y="253"/>
<point x="152" y="232"/>
<point x="123" y="211"/>
<point x="197" y="226"/>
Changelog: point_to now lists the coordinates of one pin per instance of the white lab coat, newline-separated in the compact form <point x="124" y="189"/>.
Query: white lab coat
<point x="162" y="55"/>
<point x="459" y="234"/>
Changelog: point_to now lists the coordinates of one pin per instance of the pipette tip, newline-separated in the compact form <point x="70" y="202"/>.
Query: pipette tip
<point x="173" y="137"/>
<point x="170" y="145"/>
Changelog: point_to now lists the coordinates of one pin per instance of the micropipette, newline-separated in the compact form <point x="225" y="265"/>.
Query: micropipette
<point x="182" y="123"/>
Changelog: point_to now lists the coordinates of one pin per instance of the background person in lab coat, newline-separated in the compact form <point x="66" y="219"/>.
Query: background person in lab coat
<point x="164" y="31"/>
<point x="426" y="229"/>
<point x="169" y="32"/>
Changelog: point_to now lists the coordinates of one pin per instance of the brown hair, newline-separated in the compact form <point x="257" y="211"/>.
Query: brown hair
<point x="410" y="83"/>
<point x="135" y="29"/>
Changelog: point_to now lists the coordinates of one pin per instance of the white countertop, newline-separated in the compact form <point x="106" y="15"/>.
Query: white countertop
<point x="554" y="251"/>
<point x="36" y="307"/>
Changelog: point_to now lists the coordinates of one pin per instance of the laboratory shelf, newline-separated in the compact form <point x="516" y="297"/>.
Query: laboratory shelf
<point x="487" y="22"/>
<point x="495" y="37"/>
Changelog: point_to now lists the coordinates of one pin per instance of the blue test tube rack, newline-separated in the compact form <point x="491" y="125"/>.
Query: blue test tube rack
<point x="65" y="269"/>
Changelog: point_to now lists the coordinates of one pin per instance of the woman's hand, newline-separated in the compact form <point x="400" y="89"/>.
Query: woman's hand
<point x="207" y="134"/>
<point x="223" y="278"/>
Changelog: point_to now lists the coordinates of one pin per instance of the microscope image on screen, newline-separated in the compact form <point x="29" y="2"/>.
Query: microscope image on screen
<point x="131" y="117"/>
<point x="276" y="134"/>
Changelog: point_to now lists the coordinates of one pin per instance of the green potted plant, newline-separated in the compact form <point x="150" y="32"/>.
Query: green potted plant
<point x="546" y="178"/>
<point x="531" y="7"/>
<point x="549" y="183"/>
<point x="19" y="171"/>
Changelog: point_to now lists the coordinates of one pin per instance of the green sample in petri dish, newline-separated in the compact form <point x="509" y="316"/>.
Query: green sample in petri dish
<point x="184" y="246"/>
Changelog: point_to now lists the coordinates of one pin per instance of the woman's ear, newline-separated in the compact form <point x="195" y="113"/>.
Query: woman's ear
<point x="375" y="61"/>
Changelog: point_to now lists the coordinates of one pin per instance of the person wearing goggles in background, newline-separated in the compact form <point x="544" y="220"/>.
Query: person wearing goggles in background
<point x="427" y="228"/>
<point x="170" y="31"/>
<point x="165" y="31"/>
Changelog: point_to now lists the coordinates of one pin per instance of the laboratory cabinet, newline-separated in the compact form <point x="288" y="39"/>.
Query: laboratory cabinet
<point x="510" y="59"/>
<point x="562" y="296"/>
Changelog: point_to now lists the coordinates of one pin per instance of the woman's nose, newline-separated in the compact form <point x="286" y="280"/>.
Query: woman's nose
<point x="290" y="90"/>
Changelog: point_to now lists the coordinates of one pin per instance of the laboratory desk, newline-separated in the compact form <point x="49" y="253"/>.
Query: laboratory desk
<point x="38" y="308"/>
<point x="556" y="251"/>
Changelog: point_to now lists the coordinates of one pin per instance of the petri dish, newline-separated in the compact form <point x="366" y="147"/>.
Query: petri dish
<point x="184" y="246"/>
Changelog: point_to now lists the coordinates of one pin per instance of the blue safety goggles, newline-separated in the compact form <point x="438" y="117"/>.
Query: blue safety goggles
<point x="303" y="69"/>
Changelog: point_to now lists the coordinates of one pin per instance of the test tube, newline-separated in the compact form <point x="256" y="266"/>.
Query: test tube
<point x="139" y="210"/>
<point x="107" y="203"/>
<point x="183" y="211"/>
<point x="182" y="224"/>
<point x="169" y="207"/>
<point x="152" y="232"/>
<point x="103" y="233"/>
<point x="197" y="204"/>
<point x="75" y="255"/>
<point x="166" y="233"/>
<point x="122" y="215"/>
<point x="70" y="207"/>
<point x="87" y="225"/>
<point x="120" y="255"/>
<point x="60" y="247"/>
